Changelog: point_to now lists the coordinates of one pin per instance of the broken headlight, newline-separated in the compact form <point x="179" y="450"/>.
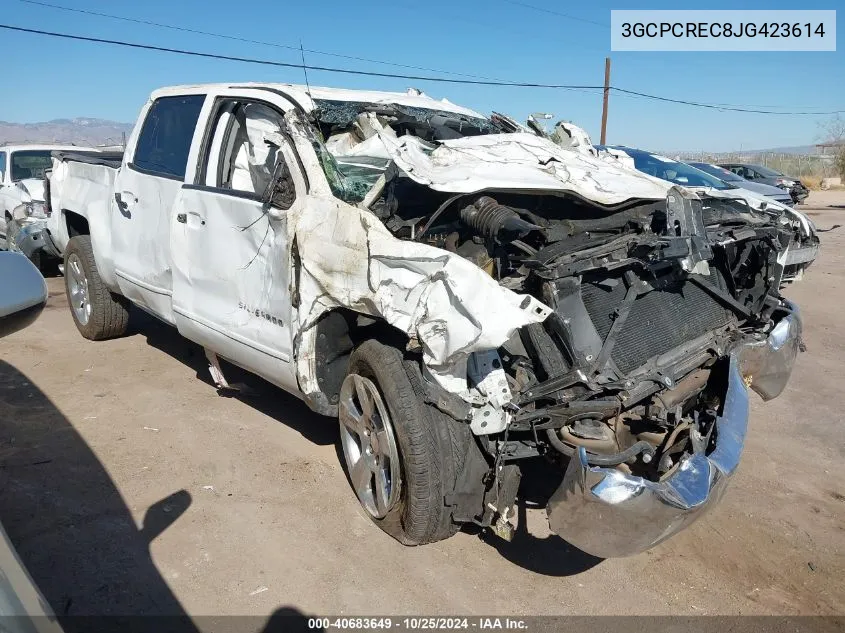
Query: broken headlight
<point x="33" y="211"/>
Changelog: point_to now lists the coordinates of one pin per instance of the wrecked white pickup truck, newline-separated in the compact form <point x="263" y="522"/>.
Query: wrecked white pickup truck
<point x="461" y="299"/>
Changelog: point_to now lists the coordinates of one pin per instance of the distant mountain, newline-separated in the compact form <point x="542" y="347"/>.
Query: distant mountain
<point x="81" y="131"/>
<point x="794" y="149"/>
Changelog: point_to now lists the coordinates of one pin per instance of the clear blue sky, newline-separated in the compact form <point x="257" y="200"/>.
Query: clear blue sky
<point x="48" y="78"/>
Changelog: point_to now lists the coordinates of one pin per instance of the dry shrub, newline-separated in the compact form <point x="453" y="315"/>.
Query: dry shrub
<point x="812" y="182"/>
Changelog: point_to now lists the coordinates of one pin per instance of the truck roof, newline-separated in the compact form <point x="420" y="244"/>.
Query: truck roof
<point x="305" y="95"/>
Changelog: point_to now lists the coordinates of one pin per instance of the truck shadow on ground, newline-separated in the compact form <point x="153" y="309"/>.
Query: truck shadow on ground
<point x="67" y="520"/>
<point x="259" y="394"/>
<point x="76" y="537"/>
<point x="549" y="556"/>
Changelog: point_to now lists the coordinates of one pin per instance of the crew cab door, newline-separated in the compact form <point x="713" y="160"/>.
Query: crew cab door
<point x="231" y="255"/>
<point x="145" y="190"/>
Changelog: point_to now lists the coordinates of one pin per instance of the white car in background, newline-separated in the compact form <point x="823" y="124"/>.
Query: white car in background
<point x="23" y="213"/>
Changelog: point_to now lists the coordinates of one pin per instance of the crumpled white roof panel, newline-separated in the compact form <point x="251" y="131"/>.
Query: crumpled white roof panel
<point x="519" y="161"/>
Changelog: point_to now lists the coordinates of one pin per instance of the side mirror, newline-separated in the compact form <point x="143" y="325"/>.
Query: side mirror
<point x="280" y="192"/>
<point x="23" y="293"/>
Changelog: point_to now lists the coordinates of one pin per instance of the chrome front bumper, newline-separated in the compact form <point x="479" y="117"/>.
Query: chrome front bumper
<point x="801" y="255"/>
<point x="766" y="365"/>
<point x="608" y="513"/>
<point x="34" y="238"/>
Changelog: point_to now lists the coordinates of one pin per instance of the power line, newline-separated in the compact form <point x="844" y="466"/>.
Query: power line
<point x="236" y="38"/>
<point x="558" y="13"/>
<point x="716" y="106"/>
<point x="605" y="25"/>
<point x="723" y="106"/>
<point x="267" y="62"/>
<point x="366" y="73"/>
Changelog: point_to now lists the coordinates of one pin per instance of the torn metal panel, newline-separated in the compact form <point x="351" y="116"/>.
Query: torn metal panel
<point x="491" y="382"/>
<point x="519" y="162"/>
<point x="439" y="298"/>
<point x="569" y="136"/>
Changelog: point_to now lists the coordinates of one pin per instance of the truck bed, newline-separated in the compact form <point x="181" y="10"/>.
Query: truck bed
<point x="81" y="183"/>
<point x="109" y="159"/>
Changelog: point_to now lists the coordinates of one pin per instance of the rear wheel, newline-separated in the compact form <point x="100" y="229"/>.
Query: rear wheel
<point x="402" y="456"/>
<point x="98" y="313"/>
<point x="5" y="242"/>
<point x="12" y="230"/>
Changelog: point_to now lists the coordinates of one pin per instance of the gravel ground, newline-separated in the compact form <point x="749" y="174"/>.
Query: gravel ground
<point x="129" y="486"/>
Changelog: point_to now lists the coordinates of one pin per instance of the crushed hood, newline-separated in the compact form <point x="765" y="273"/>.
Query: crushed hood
<point x="34" y="187"/>
<point x="521" y="162"/>
<point x="759" y="202"/>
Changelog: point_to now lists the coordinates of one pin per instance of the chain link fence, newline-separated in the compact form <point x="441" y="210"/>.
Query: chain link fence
<point x="814" y="166"/>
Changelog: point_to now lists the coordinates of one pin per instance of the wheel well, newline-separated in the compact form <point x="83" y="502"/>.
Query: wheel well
<point x="76" y="224"/>
<point x="339" y="332"/>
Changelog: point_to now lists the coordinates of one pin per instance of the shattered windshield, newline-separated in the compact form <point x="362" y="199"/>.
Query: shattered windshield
<point x="435" y="125"/>
<point x="350" y="148"/>
<point x="349" y="181"/>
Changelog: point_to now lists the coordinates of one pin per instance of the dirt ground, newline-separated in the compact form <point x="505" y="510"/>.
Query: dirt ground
<point x="129" y="486"/>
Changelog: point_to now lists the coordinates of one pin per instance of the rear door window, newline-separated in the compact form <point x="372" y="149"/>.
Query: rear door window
<point x="2" y="165"/>
<point x="165" y="138"/>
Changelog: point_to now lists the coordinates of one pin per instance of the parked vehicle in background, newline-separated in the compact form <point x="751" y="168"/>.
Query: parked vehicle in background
<point x="758" y="173"/>
<point x="459" y="298"/>
<point x="777" y="194"/>
<point x="23" y="213"/>
<point x="803" y="245"/>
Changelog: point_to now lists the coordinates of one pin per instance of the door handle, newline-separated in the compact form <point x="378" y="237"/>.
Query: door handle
<point x="182" y="217"/>
<point x="198" y="217"/>
<point x="123" y="205"/>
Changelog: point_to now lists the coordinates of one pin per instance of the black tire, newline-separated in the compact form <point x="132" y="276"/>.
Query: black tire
<point x="432" y="446"/>
<point x="8" y="217"/>
<point x="12" y="230"/>
<point x="109" y="312"/>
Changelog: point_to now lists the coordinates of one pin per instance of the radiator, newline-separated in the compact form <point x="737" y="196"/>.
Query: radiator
<point x="659" y="321"/>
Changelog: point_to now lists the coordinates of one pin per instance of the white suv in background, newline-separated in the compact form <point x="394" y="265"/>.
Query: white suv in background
<point x="22" y="208"/>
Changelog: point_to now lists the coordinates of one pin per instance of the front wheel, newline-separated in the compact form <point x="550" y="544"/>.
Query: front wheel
<point x="97" y="312"/>
<point x="403" y="457"/>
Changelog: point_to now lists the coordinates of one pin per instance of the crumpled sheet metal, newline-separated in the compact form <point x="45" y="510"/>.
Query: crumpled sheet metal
<point x="519" y="162"/>
<point x="767" y="365"/>
<point x="444" y="301"/>
<point x="573" y="138"/>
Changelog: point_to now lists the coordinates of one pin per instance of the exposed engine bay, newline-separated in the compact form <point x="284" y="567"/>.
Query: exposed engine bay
<point x="651" y="298"/>
<point x="628" y="365"/>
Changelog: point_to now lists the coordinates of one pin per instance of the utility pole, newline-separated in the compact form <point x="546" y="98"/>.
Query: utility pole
<point x="604" y="104"/>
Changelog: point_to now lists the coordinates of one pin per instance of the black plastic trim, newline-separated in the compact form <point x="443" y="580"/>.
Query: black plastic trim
<point x="226" y="192"/>
<point x="156" y="174"/>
